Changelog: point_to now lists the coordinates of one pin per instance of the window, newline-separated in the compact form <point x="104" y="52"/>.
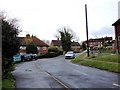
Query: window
<point x="38" y="48"/>
<point x="118" y="38"/>
<point x="23" y="47"/>
<point x="44" y="48"/>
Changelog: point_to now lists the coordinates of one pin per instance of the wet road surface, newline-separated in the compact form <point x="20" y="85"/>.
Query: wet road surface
<point x="43" y="72"/>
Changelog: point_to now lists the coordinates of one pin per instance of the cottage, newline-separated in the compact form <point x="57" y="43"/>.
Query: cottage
<point x="41" y="46"/>
<point x="56" y="43"/>
<point x="75" y="46"/>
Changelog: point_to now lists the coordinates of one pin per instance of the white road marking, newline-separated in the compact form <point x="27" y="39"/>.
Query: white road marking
<point x="116" y="84"/>
<point x="82" y="73"/>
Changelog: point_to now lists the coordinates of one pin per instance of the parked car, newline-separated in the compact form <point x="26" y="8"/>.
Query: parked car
<point x="17" y="58"/>
<point x="28" y="57"/>
<point x="70" y="54"/>
<point x="34" y="56"/>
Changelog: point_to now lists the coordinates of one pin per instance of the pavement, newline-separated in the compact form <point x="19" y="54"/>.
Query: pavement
<point x="37" y="74"/>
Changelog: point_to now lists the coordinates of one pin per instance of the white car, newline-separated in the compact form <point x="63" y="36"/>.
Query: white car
<point x="69" y="54"/>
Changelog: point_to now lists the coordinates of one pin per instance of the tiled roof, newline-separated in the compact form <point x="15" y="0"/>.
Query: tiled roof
<point x="100" y="39"/>
<point x="75" y="44"/>
<point x="56" y="42"/>
<point x="36" y="41"/>
<point x="117" y="22"/>
<point x="39" y="42"/>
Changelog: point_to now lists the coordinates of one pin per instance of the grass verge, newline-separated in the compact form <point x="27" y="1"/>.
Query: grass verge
<point x="8" y="82"/>
<point x="79" y="58"/>
<point x="113" y="67"/>
<point x="105" y="61"/>
<point x="108" y="58"/>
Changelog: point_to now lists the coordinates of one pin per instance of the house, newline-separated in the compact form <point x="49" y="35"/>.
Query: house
<point x="97" y="42"/>
<point x="41" y="46"/>
<point x="56" y="43"/>
<point x="117" y="35"/>
<point x="75" y="46"/>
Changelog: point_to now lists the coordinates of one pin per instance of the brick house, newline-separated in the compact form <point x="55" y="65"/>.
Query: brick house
<point x="117" y="35"/>
<point x="75" y="46"/>
<point x="56" y="43"/>
<point x="99" y="41"/>
<point x="41" y="46"/>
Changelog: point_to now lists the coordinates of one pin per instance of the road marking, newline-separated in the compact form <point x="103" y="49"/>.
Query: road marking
<point x="116" y="84"/>
<point x="82" y="73"/>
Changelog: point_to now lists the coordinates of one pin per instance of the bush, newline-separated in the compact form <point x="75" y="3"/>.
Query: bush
<point x="49" y="55"/>
<point x="53" y="49"/>
<point x="8" y="82"/>
<point x="31" y="48"/>
<point x="7" y="66"/>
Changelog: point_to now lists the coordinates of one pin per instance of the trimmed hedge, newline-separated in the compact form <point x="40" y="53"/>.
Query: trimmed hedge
<point x="50" y="54"/>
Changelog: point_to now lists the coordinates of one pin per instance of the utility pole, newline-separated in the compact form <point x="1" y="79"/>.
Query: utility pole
<point x="87" y="30"/>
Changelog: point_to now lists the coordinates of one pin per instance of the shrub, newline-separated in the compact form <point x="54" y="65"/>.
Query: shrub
<point x="31" y="48"/>
<point x="49" y="55"/>
<point x="7" y="67"/>
<point x="53" y="49"/>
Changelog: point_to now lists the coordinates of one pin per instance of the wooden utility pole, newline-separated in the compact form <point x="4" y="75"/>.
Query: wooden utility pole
<point x="87" y="30"/>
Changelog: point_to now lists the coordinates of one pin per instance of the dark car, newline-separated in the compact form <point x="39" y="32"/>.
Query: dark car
<point x="27" y="57"/>
<point x="34" y="56"/>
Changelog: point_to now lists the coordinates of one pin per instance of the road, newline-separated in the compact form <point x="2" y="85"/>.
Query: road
<point x="61" y="73"/>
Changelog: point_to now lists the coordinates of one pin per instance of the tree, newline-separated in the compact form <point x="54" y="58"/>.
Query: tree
<point x="66" y="37"/>
<point x="84" y="46"/>
<point x="105" y="44"/>
<point x="31" y="48"/>
<point x="10" y="42"/>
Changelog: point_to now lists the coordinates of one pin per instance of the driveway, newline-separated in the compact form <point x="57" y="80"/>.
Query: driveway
<point x="51" y="72"/>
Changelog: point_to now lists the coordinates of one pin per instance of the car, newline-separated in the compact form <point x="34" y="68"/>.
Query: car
<point x="70" y="54"/>
<point x="27" y="57"/>
<point x="16" y="58"/>
<point x="34" y="56"/>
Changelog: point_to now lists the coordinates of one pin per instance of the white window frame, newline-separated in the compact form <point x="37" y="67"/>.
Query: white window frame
<point x="44" y="48"/>
<point x="118" y="38"/>
<point x="38" y="48"/>
<point x="23" y="47"/>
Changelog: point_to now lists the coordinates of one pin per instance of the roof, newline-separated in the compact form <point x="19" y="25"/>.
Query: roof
<point x="100" y="39"/>
<point x="75" y="44"/>
<point x="116" y="23"/>
<point x="56" y="42"/>
<point x="36" y="41"/>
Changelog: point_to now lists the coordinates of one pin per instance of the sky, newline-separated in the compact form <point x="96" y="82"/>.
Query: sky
<point x="43" y="18"/>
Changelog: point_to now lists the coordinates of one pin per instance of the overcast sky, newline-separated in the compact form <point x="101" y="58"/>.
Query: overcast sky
<point x="43" y="17"/>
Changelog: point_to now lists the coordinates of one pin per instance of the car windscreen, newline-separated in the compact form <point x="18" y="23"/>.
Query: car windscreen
<point x="69" y="52"/>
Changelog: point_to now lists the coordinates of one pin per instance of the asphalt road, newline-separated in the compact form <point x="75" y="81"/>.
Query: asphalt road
<point x="51" y="72"/>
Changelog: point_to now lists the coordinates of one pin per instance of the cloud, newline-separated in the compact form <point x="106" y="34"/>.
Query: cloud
<point x="102" y="32"/>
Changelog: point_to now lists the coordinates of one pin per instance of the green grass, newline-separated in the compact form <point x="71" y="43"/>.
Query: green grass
<point x="79" y="58"/>
<point x="8" y="82"/>
<point x="108" y="58"/>
<point x="105" y="61"/>
<point x="102" y="65"/>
